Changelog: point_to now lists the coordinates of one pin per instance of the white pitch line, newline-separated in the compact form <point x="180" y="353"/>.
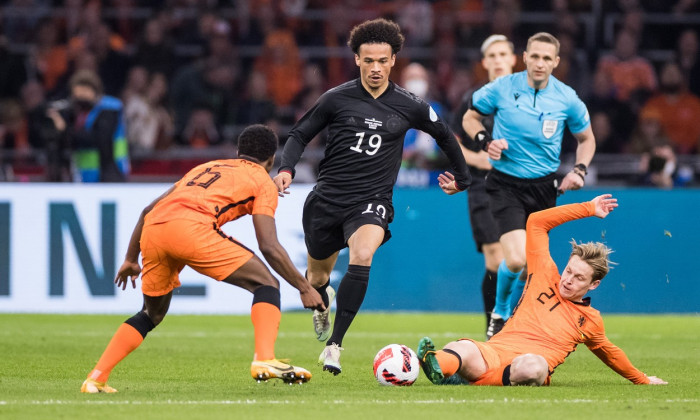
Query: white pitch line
<point x="342" y="402"/>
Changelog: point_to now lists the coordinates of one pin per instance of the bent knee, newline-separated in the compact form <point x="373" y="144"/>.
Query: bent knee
<point x="528" y="369"/>
<point x="361" y="256"/>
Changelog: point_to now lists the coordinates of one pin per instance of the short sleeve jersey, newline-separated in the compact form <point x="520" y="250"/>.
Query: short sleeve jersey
<point x="365" y="141"/>
<point x="532" y="121"/>
<point x="544" y="322"/>
<point x="218" y="192"/>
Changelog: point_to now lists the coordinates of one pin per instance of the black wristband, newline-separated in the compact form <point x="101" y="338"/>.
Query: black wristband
<point x="579" y="174"/>
<point x="482" y="139"/>
<point x="581" y="167"/>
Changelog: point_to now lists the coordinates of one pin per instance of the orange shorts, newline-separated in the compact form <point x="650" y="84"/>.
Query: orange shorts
<point x="498" y="357"/>
<point x="166" y="248"/>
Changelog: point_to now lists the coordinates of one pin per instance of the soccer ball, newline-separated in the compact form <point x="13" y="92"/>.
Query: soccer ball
<point x="396" y="365"/>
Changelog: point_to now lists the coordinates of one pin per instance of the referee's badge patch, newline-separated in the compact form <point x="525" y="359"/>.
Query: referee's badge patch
<point x="549" y="127"/>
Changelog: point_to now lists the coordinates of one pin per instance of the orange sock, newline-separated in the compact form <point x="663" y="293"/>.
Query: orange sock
<point x="449" y="363"/>
<point x="266" y="322"/>
<point x="124" y="341"/>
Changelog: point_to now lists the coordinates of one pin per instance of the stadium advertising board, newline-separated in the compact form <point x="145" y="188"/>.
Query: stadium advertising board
<point x="61" y="245"/>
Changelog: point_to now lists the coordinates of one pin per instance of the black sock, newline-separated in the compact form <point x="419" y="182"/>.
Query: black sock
<point x="324" y="295"/>
<point x="351" y="293"/>
<point x="488" y="292"/>
<point x="141" y="322"/>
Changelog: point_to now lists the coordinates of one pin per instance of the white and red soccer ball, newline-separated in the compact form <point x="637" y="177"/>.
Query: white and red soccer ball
<point x="396" y="365"/>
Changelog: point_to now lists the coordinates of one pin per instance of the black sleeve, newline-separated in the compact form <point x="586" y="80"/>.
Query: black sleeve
<point x="456" y="124"/>
<point x="315" y="120"/>
<point x="428" y="121"/>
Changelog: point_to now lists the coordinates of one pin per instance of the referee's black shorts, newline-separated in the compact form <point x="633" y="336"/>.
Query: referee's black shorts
<point x="514" y="199"/>
<point x="484" y="227"/>
<point x="328" y="226"/>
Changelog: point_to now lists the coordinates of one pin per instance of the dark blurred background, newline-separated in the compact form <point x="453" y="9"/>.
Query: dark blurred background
<point x="191" y="74"/>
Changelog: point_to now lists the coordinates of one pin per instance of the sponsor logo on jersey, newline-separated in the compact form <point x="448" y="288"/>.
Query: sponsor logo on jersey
<point x="372" y="123"/>
<point x="549" y="127"/>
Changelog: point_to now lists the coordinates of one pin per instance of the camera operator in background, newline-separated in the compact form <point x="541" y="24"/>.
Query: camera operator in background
<point x="92" y="125"/>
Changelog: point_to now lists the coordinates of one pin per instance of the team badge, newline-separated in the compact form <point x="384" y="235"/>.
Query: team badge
<point x="433" y="114"/>
<point x="549" y="127"/>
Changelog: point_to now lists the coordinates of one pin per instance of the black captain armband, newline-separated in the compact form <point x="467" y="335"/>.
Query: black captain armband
<point x="483" y="139"/>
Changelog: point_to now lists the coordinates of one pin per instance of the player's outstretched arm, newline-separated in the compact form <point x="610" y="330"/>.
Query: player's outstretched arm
<point x="130" y="268"/>
<point x="277" y="257"/>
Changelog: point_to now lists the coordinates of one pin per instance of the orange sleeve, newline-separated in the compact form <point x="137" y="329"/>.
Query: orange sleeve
<point x="540" y="223"/>
<point x="266" y="197"/>
<point x="617" y="360"/>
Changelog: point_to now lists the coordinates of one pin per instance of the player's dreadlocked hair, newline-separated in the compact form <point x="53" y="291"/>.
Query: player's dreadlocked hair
<point x="376" y="31"/>
<point x="257" y="141"/>
<point x="594" y="254"/>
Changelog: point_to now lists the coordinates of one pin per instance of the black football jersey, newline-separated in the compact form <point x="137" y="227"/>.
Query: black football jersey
<point x="365" y="141"/>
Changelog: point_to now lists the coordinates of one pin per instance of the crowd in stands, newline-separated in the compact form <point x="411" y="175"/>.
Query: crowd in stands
<point x="191" y="74"/>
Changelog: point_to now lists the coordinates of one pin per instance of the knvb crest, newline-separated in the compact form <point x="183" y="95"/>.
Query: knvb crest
<point x="372" y="123"/>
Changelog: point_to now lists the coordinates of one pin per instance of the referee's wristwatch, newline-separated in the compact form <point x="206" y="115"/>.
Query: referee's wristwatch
<point x="581" y="170"/>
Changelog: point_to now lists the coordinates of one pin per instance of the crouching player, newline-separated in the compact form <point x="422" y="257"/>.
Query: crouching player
<point x="552" y="318"/>
<point x="183" y="227"/>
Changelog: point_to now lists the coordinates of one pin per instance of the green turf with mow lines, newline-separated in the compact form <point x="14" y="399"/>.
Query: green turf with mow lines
<point x="196" y="367"/>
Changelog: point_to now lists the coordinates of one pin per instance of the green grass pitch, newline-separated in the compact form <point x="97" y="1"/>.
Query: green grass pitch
<point x="197" y="367"/>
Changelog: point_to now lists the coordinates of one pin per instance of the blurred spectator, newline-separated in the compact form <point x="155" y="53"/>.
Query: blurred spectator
<point x="602" y="100"/>
<point x="416" y="20"/>
<point x="13" y="131"/>
<point x="136" y="82"/>
<point x="208" y="87"/>
<point x="255" y="107"/>
<point x="149" y="125"/>
<point x="688" y="57"/>
<point x="605" y="140"/>
<point x="154" y="52"/>
<point x="658" y="162"/>
<point x="42" y="134"/>
<point x="679" y="110"/>
<point x="13" y="73"/>
<point x="20" y="22"/>
<point x="628" y="71"/>
<point x="200" y="130"/>
<point x="112" y="64"/>
<point x="420" y="150"/>
<point x="281" y="64"/>
<point x="313" y="86"/>
<point x="95" y="128"/>
<point x="573" y="68"/>
<point x="48" y="56"/>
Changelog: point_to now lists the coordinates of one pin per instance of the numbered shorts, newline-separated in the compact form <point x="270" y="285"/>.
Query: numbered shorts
<point x="514" y="199"/>
<point x="498" y="358"/>
<point x="166" y="248"/>
<point x="327" y="226"/>
<point x="484" y="227"/>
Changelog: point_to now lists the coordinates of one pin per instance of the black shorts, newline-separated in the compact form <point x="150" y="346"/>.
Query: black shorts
<point x="327" y="226"/>
<point x="484" y="227"/>
<point x="514" y="199"/>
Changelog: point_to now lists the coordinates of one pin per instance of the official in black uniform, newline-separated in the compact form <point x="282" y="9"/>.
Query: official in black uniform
<point x="351" y="204"/>
<point x="498" y="59"/>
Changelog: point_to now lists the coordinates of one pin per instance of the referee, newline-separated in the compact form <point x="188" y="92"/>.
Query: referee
<point x="530" y="111"/>
<point x="351" y="204"/>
